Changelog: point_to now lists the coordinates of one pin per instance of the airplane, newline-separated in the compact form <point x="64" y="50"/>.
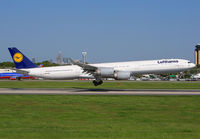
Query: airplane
<point x="6" y="70"/>
<point x="14" y="76"/>
<point x="116" y="70"/>
<point x="197" y="76"/>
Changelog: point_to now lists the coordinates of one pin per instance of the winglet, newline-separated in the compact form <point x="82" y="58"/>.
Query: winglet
<point x="73" y="61"/>
<point x="84" y="66"/>
<point x="77" y="63"/>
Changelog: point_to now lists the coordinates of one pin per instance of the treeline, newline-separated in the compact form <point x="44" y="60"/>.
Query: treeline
<point x="46" y="64"/>
<point x="4" y="65"/>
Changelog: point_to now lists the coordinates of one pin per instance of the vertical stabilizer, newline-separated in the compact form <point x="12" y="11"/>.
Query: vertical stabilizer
<point x="20" y="60"/>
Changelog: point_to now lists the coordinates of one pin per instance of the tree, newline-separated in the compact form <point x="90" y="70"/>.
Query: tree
<point x="7" y="65"/>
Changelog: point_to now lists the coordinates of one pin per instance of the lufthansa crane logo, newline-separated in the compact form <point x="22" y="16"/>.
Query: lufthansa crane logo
<point x="18" y="57"/>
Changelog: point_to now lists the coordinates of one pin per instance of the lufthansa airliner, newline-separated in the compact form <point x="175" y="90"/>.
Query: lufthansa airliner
<point x="116" y="70"/>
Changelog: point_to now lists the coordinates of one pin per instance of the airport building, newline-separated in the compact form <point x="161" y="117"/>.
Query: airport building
<point x="33" y="60"/>
<point x="197" y="54"/>
<point x="59" y="59"/>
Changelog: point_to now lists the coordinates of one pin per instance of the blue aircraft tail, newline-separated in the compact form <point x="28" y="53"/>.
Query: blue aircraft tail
<point x="20" y="60"/>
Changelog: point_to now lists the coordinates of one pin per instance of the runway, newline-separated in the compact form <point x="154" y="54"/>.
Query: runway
<point x="16" y="91"/>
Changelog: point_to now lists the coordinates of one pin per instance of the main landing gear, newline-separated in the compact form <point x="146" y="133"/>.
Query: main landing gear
<point x="97" y="82"/>
<point x="18" y="78"/>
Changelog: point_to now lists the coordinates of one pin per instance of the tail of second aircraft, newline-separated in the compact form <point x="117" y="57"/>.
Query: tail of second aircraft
<point x="20" y="60"/>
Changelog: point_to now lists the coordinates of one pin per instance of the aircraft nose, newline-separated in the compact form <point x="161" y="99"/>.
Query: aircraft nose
<point x="192" y="65"/>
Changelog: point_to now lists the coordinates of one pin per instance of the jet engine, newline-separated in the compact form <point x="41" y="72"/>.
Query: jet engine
<point x="105" y="72"/>
<point x="122" y="75"/>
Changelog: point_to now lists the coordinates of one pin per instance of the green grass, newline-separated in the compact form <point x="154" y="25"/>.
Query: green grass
<point x="62" y="116"/>
<point x="105" y="85"/>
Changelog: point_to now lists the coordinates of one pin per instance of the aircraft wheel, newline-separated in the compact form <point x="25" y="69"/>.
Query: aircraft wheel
<point x="18" y="78"/>
<point x="96" y="83"/>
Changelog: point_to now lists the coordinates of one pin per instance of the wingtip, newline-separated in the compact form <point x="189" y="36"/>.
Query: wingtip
<point x="74" y="61"/>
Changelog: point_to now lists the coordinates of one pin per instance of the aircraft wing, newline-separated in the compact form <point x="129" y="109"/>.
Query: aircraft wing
<point x="87" y="68"/>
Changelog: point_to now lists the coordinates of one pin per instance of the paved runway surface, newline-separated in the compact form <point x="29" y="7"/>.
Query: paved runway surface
<point x="15" y="91"/>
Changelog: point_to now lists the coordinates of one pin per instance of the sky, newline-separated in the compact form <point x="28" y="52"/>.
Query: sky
<point x="108" y="30"/>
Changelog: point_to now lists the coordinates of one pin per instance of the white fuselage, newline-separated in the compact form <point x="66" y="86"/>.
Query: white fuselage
<point x="134" y="67"/>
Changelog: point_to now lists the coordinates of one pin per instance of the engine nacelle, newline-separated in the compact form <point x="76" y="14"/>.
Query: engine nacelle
<point x="105" y="72"/>
<point x="122" y="75"/>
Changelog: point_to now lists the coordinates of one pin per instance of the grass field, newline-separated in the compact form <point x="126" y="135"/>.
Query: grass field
<point x="62" y="116"/>
<point x="105" y="85"/>
<point x="68" y="116"/>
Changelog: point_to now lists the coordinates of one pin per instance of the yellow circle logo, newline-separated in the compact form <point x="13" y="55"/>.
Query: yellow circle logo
<point x="18" y="57"/>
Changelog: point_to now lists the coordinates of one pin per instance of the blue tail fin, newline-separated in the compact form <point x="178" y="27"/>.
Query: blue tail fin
<point x="20" y="60"/>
